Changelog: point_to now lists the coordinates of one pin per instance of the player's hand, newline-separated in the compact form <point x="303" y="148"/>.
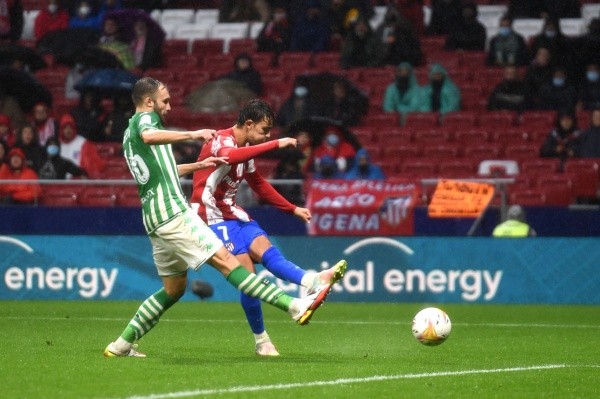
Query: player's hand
<point x="287" y="142"/>
<point x="203" y="134"/>
<point x="303" y="213"/>
<point x="211" y="162"/>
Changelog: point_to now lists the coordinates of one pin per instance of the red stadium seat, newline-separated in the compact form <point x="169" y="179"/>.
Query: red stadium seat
<point x="459" y="167"/>
<point x="497" y="119"/>
<point x="382" y="120"/>
<point x="261" y="61"/>
<point x="378" y="76"/>
<point x="98" y="196"/>
<point x="327" y="61"/>
<point x="60" y="195"/>
<point x="294" y="61"/>
<point x="400" y="152"/>
<point x="418" y="168"/>
<point x="431" y="136"/>
<point x="203" y="47"/>
<point x="184" y="61"/>
<point x="440" y="151"/>
<point x="128" y="196"/>
<point x="471" y="136"/>
<point x="529" y="197"/>
<point x="243" y="45"/>
<point x="174" y="47"/>
<point x="165" y="75"/>
<point x="418" y="120"/>
<point x="479" y="152"/>
<point x="521" y="152"/>
<point x="460" y="120"/>
<point x="539" y="166"/>
<point x="586" y="176"/>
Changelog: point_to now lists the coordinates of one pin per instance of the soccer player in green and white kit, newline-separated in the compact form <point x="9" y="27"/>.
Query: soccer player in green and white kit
<point x="180" y="239"/>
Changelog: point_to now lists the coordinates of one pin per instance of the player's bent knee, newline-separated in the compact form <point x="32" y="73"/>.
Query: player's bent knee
<point x="224" y="261"/>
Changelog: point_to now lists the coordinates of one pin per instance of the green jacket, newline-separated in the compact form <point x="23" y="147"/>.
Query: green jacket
<point x="394" y="101"/>
<point x="450" y="95"/>
<point x="513" y="228"/>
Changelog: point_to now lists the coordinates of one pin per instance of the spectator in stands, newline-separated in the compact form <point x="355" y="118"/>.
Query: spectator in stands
<point x="311" y="31"/>
<point x="511" y="94"/>
<point x="334" y="145"/>
<point x="469" y="34"/>
<point x="11" y="108"/>
<point x="112" y="41"/>
<point x="88" y="115"/>
<point x="27" y="140"/>
<point x="45" y="125"/>
<point x="553" y="39"/>
<point x="347" y="104"/>
<point x="304" y="146"/>
<point x="563" y="140"/>
<point x="412" y="10"/>
<point x="244" y="11"/>
<point x="289" y="168"/>
<point x="403" y="95"/>
<point x="589" y="142"/>
<point x="561" y="9"/>
<point x="16" y="169"/>
<point x="244" y="72"/>
<point x="525" y="9"/>
<point x="399" y="42"/>
<point x="7" y="134"/>
<point x="146" y="47"/>
<point x="85" y="16"/>
<point x="51" y="18"/>
<point x="515" y="225"/>
<point x="55" y="166"/>
<point x="588" y="45"/>
<point x="440" y="94"/>
<point x="538" y="73"/>
<point x="445" y="16"/>
<point x="75" y="74"/>
<point x="342" y="14"/>
<point x="361" y="47"/>
<point x="3" y="152"/>
<point x="363" y="168"/>
<point x="297" y="107"/>
<point x="275" y="36"/>
<point x="116" y="121"/>
<point x="327" y="169"/>
<point x="558" y="94"/>
<point x="11" y="20"/>
<point x="507" y="47"/>
<point x="589" y="90"/>
<point x="78" y="149"/>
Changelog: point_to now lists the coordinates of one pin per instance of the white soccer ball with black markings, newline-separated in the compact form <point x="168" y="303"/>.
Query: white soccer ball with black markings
<point x="431" y="326"/>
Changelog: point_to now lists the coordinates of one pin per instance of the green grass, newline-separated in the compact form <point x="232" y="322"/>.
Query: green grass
<point x="54" y="350"/>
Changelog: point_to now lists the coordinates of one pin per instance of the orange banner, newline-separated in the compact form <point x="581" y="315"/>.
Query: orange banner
<point x="454" y="198"/>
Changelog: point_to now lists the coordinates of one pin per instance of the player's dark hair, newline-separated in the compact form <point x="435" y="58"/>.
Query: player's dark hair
<point x="255" y="110"/>
<point x="143" y="88"/>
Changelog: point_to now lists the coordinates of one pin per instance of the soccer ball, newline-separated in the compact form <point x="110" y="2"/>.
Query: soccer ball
<point x="431" y="326"/>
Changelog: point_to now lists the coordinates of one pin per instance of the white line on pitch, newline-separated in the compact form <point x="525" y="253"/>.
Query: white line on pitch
<point x="341" y="381"/>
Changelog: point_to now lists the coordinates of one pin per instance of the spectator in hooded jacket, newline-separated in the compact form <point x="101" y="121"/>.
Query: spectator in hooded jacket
<point x="538" y="73"/>
<point x="403" y="95"/>
<point x="16" y="169"/>
<point x="346" y="104"/>
<point x="328" y="169"/>
<point x="360" y="48"/>
<point x="78" y="149"/>
<point x="589" y="142"/>
<point x="51" y="18"/>
<point x="11" y="20"/>
<point x="469" y="34"/>
<point x="334" y="145"/>
<point x="311" y="31"/>
<point x="275" y="36"/>
<point x="563" y="140"/>
<point x="45" y="125"/>
<point x="244" y="72"/>
<point x="445" y="15"/>
<point x="552" y="38"/>
<point x="440" y="94"/>
<point x="363" y="168"/>
<point x="55" y="166"/>
<point x="7" y="134"/>
<point x="27" y="140"/>
<point x="558" y="94"/>
<point x="589" y="90"/>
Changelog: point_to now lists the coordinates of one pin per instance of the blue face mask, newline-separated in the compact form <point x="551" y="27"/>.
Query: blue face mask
<point x="52" y="150"/>
<point x="592" y="76"/>
<point x="504" y="31"/>
<point x="559" y="82"/>
<point x="332" y="139"/>
<point x="550" y="33"/>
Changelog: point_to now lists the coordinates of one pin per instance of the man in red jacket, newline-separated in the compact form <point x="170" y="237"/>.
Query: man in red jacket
<point x="17" y="169"/>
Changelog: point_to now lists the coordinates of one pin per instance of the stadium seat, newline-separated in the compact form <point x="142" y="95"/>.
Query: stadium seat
<point x="128" y="196"/>
<point x="177" y="16"/>
<point x="294" y="61"/>
<point x="165" y="75"/>
<point x="228" y="31"/>
<point x="539" y="166"/>
<point x="431" y="136"/>
<point x="459" y="167"/>
<point x="203" y="47"/>
<point x="378" y="76"/>
<point x="255" y="28"/>
<point x="528" y="27"/>
<point x="538" y="119"/>
<point x="183" y="61"/>
<point x="416" y="120"/>
<point x="473" y="59"/>
<point x="586" y="176"/>
<point x="98" y="196"/>
<point x="173" y="47"/>
<point x="498" y="167"/>
<point x="418" y="167"/>
<point x="440" y="150"/>
<point x="471" y="136"/>
<point x="265" y="167"/>
<point x="399" y="152"/>
<point x="558" y="187"/>
<point x="511" y="136"/>
<point x="521" y="152"/>
<point x="480" y="152"/>
<point x="191" y="32"/>
<point x="364" y="134"/>
<point x="497" y="119"/>
<point x="218" y="64"/>
<point x="459" y="120"/>
<point x="327" y="61"/>
<point x="382" y="120"/>
<point x="244" y="45"/>
<point x="109" y="149"/>
<point x="60" y="195"/>
<point x="528" y="197"/>
<point x="373" y="149"/>
<point x="260" y="61"/>
<point x="50" y="78"/>
<point x="206" y="16"/>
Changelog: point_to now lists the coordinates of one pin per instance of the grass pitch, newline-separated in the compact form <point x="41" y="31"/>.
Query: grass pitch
<point x="54" y="350"/>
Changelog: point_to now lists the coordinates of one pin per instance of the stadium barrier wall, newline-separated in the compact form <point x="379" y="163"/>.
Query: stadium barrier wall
<point x="381" y="269"/>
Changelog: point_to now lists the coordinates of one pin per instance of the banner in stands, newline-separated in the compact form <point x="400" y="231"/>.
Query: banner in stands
<point x="381" y="269"/>
<point x="361" y="207"/>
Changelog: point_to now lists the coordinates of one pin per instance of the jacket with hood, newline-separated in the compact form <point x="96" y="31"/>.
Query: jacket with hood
<point x="79" y="150"/>
<point x="19" y="193"/>
<point x="406" y="101"/>
<point x="367" y="172"/>
<point x="449" y="95"/>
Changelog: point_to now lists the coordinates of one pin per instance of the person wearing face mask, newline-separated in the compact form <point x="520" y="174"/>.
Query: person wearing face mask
<point x="363" y="168"/>
<point x="275" y="36"/>
<point x="507" y="47"/>
<point x="16" y="169"/>
<point x="559" y="93"/>
<point x="55" y="166"/>
<point x="78" y="149"/>
<point x="297" y="107"/>
<point x="440" y="94"/>
<point x="84" y="16"/>
<point x="563" y="140"/>
<point x="403" y="94"/>
<point x="335" y="146"/>
<point x="589" y="90"/>
<point x="51" y="18"/>
<point x="469" y="33"/>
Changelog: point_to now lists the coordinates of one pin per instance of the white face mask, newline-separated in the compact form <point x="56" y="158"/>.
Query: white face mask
<point x="84" y="11"/>
<point x="52" y="8"/>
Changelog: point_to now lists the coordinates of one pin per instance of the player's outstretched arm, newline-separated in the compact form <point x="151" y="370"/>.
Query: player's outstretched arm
<point x="187" y="168"/>
<point x="303" y="213"/>
<point x="153" y="137"/>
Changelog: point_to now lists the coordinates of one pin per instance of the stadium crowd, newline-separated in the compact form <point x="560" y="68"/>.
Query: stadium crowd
<point x="374" y="88"/>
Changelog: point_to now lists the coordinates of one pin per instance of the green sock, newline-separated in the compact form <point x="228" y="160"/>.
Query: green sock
<point x="148" y="315"/>
<point x="252" y="285"/>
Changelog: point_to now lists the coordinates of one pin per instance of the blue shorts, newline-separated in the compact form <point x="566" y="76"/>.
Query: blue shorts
<point x="237" y="235"/>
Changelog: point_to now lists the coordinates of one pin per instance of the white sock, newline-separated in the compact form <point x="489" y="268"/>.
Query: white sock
<point x="262" y="337"/>
<point x="121" y="345"/>
<point x="308" y="279"/>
